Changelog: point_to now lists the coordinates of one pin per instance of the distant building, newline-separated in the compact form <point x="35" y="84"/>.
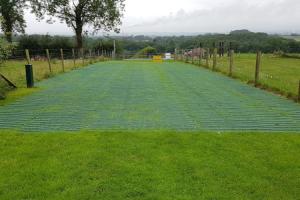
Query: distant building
<point x="168" y="56"/>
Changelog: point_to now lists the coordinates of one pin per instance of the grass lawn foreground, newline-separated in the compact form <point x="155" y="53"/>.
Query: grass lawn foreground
<point x="149" y="165"/>
<point x="157" y="165"/>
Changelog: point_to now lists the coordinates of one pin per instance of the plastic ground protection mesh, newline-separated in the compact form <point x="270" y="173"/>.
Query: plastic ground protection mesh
<point x="131" y="95"/>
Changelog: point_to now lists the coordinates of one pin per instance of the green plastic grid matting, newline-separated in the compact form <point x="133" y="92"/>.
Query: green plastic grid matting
<point x="136" y="95"/>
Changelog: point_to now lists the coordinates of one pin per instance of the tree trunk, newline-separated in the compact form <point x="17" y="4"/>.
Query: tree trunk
<point x="79" y="39"/>
<point x="8" y="30"/>
<point x="8" y="36"/>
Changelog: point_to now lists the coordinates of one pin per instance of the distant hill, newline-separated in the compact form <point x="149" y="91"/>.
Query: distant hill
<point x="243" y="41"/>
<point x="243" y="31"/>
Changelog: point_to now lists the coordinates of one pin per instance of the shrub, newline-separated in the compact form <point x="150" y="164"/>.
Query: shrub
<point x="147" y="51"/>
<point x="5" y="50"/>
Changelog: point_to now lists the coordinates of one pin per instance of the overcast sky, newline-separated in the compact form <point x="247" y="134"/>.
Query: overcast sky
<point x="196" y="16"/>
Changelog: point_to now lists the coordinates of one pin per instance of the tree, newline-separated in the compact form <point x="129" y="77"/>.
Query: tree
<point x="39" y="42"/>
<point x="147" y="51"/>
<point x="106" y="45"/>
<point x="77" y="14"/>
<point x="5" y="51"/>
<point x="12" y="14"/>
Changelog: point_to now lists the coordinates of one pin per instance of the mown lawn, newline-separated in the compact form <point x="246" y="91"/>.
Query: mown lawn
<point x="149" y="166"/>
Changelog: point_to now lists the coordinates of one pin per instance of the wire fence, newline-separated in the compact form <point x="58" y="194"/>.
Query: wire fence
<point x="273" y="72"/>
<point x="137" y="56"/>
<point x="46" y="63"/>
<point x="41" y="54"/>
<point x="268" y="71"/>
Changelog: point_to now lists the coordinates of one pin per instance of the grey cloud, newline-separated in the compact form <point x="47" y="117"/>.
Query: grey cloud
<point x="276" y="16"/>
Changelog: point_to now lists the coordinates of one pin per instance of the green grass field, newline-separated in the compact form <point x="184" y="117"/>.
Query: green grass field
<point x="280" y="75"/>
<point x="149" y="166"/>
<point x="169" y="137"/>
<point x="14" y="70"/>
<point x="142" y="95"/>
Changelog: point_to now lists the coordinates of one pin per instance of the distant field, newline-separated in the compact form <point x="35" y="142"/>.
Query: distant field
<point x="297" y="38"/>
<point x="278" y="74"/>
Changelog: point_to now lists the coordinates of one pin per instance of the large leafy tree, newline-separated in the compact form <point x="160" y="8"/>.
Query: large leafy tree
<point x="12" y="17"/>
<point x="78" y="14"/>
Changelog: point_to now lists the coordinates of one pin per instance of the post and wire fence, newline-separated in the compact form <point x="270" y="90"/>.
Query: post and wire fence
<point x="262" y="70"/>
<point x="44" y="63"/>
<point x="266" y="71"/>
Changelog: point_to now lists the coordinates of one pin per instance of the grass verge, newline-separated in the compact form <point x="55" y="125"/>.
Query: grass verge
<point x="157" y="165"/>
<point x="278" y="74"/>
<point x="14" y="70"/>
<point x="13" y="95"/>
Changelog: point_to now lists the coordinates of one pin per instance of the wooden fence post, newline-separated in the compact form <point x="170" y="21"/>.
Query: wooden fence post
<point x="220" y="47"/>
<point x="231" y="54"/>
<point x="27" y="56"/>
<point x="201" y="56"/>
<point x="185" y="56"/>
<point x="8" y="81"/>
<point x="74" y="58"/>
<point x="207" y="57"/>
<point x="48" y="59"/>
<point x="257" y="68"/>
<point x="193" y="56"/>
<point x="175" y="54"/>
<point x="62" y="59"/>
<point x="90" y="56"/>
<point x="82" y="56"/>
<point x="230" y="48"/>
<point x="215" y="59"/>
<point x="299" y="92"/>
<point x="181" y="55"/>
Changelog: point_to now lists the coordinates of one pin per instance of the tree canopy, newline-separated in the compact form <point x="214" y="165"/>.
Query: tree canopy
<point x="146" y="51"/>
<point x="77" y="14"/>
<point x="12" y="17"/>
<point x="241" y="42"/>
